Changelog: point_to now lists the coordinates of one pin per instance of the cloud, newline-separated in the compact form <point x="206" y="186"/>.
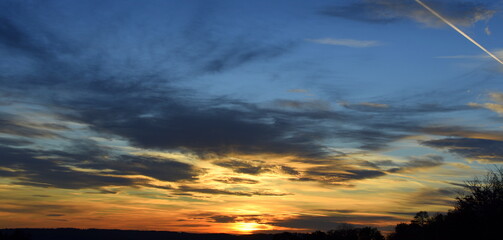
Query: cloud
<point x="159" y="168"/>
<point x="236" y="180"/>
<point x="15" y="38"/>
<point x="223" y="219"/>
<point x="235" y="57"/>
<point x="497" y="97"/>
<point x="57" y="50"/>
<point x="55" y="215"/>
<point x="374" y="105"/>
<point x="495" y="107"/>
<point x="435" y="196"/>
<point x="176" y="123"/>
<point x="149" y="110"/>
<point x="313" y="106"/>
<point x="402" y="109"/>
<point x="28" y="170"/>
<point x="487" y="31"/>
<point x="248" y="167"/>
<point x="475" y="149"/>
<point x="298" y="90"/>
<point x="233" y="218"/>
<point x="463" y="132"/>
<point x="214" y="191"/>
<point x="345" y="42"/>
<point x="337" y="175"/>
<point x="386" y="11"/>
<point x="39" y="208"/>
<point x="371" y="138"/>
<point x="419" y="162"/>
<point x="14" y="142"/>
<point x="366" y="106"/>
<point x="255" y="167"/>
<point x="18" y="126"/>
<point x="330" y="222"/>
<point x="131" y="91"/>
<point x="498" y="53"/>
<point x="60" y="169"/>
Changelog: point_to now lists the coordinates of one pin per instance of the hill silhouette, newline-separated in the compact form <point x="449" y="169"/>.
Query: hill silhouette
<point x="347" y="233"/>
<point x="104" y="234"/>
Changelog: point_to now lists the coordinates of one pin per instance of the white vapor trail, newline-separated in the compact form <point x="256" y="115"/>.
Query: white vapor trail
<point x="458" y="30"/>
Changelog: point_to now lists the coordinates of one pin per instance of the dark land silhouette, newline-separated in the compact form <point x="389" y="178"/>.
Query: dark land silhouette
<point x="477" y="214"/>
<point x="366" y="233"/>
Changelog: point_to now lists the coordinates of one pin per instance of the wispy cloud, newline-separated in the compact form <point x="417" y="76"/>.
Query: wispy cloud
<point x="419" y="162"/>
<point x="498" y="53"/>
<point x="487" y="31"/>
<point x="446" y="21"/>
<point x="345" y="42"/>
<point x="386" y="11"/>
<point x="495" y="107"/>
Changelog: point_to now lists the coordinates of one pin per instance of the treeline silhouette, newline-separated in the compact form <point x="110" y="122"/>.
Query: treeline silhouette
<point x="344" y="233"/>
<point x="106" y="234"/>
<point x="477" y="214"/>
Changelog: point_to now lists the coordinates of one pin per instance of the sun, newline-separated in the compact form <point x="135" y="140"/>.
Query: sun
<point x="248" y="227"/>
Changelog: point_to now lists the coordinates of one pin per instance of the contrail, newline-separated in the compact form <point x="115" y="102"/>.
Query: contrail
<point x="458" y="30"/>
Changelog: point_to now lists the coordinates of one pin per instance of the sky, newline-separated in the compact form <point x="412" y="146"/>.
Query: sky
<point x="239" y="116"/>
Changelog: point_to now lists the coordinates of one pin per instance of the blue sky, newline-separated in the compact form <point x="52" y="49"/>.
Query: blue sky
<point x="218" y="116"/>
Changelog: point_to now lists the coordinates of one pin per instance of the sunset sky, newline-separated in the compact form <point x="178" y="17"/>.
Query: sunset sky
<point x="242" y="116"/>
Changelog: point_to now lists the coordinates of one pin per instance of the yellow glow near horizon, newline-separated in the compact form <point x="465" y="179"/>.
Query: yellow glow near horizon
<point x="249" y="227"/>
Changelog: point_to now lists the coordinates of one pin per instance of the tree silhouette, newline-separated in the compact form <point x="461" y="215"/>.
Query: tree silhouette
<point x="319" y="235"/>
<point x="421" y="218"/>
<point x="477" y="214"/>
<point x="368" y="233"/>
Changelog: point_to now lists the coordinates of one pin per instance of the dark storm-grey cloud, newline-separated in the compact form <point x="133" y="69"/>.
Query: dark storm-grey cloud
<point x="166" y="123"/>
<point x="40" y="173"/>
<point x="162" y="169"/>
<point x="28" y="167"/>
<point x="337" y="175"/>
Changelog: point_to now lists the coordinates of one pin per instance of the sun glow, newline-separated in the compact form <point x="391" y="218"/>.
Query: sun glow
<point x="249" y="227"/>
